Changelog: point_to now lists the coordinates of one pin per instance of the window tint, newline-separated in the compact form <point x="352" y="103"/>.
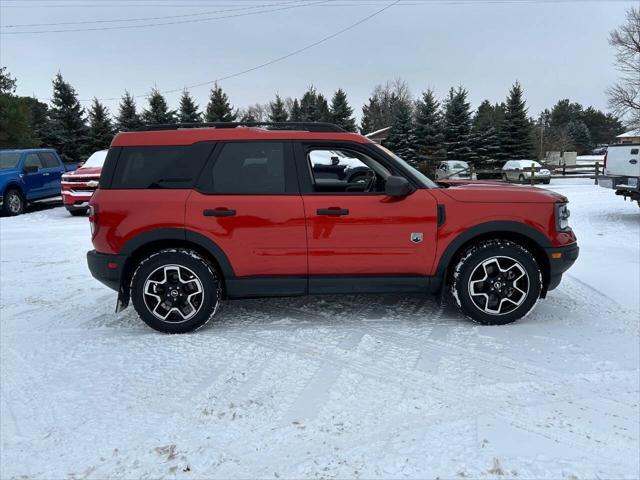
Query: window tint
<point x="33" y="160"/>
<point x="9" y="160"/>
<point x="160" y="167"/>
<point x="48" y="159"/>
<point x="250" y="168"/>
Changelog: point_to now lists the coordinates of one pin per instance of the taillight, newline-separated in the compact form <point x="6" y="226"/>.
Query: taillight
<point x="93" y="220"/>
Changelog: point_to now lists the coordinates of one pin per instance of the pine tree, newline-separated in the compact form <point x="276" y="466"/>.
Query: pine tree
<point x="401" y="139"/>
<point x="485" y="133"/>
<point x="428" y="128"/>
<point x="128" y="118"/>
<point x="308" y="106"/>
<point x="277" y="110"/>
<point x="516" y="131"/>
<point x="296" y="113"/>
<point x="580" y="135"/>
<point x="66" y="130"/>
<point x="188" y="111"/>
<point x="372" y="116"/>
<point x="100" y="127"/>
<point x="457" y="125"/>
<point x="219" y="108"/>
<point x="341" y="112"/>
<point x="158" y="111"/>
<point x="323" y="113"/>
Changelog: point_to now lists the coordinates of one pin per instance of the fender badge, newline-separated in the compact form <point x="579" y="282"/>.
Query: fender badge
<point x="416" y="237"/>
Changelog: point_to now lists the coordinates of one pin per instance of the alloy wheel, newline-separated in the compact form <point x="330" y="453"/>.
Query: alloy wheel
<point x="173" y="293"/>
<point x="498" y="285"/>
<point x="14" y="203"/>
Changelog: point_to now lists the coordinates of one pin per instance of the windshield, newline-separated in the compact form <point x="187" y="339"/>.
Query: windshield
<point x="96" y="160"/>
<point x="459" y="165"/>
<point x="9" y="160"/>
<point x="418" y="175"/>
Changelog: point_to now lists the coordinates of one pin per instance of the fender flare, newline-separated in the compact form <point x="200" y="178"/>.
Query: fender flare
<point x="16" y="185"/>
<point x="531" y="233"/>
<point x="182" y="234"/>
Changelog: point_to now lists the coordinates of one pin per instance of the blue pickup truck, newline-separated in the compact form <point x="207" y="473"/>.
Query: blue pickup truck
<point x="29" y="175"/>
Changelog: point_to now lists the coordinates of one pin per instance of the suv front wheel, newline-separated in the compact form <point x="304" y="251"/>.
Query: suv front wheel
<point x="175" y="290"/>
<point x="496" y="282"/>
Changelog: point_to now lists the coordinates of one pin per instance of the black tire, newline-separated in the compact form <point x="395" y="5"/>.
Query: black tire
<point x="546" y="182"/>
<point x="78" y="212"/>
<point x="470" y="270"/>
<point x="521" y="179"/>
<point x="13" y="203"/>
<point x="504" y="177"/>
<point x="193" y="273"/>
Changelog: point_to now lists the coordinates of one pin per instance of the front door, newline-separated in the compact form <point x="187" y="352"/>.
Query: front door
<point x="248" y="203"/>
<point x="353" y="227"/>
<point x="35" y="182"/>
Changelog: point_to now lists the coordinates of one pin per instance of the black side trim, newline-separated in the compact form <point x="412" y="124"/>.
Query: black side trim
<point x="489" y="227"/>
<point x="256" y="287"/>
<point x="442" y="214"/>
<point x="368" y="284"/>
<point x="180" y="234"/>
<point x="98" y="262"/>
<point x="557" y="266"/>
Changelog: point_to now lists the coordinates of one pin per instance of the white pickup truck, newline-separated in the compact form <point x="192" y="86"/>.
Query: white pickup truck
<point x="622" y="170"/>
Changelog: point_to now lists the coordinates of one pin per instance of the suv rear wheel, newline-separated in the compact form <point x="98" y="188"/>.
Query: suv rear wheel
<point x="175" y="290"/>
<point x="496" y="282"/>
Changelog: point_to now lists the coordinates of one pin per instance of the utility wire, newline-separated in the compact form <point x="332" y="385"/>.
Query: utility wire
<point x="177" y="22"/>
<point x="270" y="62"/>
<point x="84" y="22"/>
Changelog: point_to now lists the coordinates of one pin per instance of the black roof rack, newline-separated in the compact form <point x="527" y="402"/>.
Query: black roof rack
<point x="308" y="126"/>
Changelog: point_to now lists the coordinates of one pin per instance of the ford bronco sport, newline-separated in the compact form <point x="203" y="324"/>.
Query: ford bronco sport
<point x="188" y="215"/>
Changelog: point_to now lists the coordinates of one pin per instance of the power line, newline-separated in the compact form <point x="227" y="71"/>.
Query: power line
<point x="267" y="63"/>
<point x="83" y="22"/>
<point x="177" y="22"/>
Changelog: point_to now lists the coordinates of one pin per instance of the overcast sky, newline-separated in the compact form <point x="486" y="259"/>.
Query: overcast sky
<point x="555" y="49"/>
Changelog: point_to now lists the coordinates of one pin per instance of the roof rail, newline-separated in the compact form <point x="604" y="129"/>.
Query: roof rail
<point x="308" y="126"/>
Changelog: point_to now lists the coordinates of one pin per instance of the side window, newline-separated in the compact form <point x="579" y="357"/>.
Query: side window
<point x="33" y="160"/>
<point x="160" y="167"/>
<point x="48" y="159"/>
<point x="251" y="168"/>
<point x="344" y="170"/>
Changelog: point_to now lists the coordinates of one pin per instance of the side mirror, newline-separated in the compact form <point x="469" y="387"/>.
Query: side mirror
<point x="397" y="187"/>
<point x="30" y="169"/>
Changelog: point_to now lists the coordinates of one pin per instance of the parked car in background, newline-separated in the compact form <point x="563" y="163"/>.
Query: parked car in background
<point x="622" y="170"/>
<point x="29" y="175"/>
<point x="78" y="186"/>
<point x="188" y="215"/>
<point x="455" y="169"/>
<point x="520" y="171"/>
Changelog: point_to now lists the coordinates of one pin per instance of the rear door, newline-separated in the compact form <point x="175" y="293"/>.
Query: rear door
<point x="248" y="203"/>
<point x="35" y="181"/>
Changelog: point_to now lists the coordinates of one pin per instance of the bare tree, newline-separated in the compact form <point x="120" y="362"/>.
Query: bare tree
<point x="624" y="96"/>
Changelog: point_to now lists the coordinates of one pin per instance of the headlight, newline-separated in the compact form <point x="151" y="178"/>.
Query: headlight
<point x="562" y="217"/>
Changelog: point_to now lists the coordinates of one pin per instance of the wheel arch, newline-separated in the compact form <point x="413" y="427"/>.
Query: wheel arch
<point x="13" y="185"/>
<point x="148" y="242"/>
<point x="524" y="235"/>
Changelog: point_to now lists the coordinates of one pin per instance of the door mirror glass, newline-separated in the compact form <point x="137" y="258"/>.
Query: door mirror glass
<point x="397" y="187"/>
<point x="30" y="169"/>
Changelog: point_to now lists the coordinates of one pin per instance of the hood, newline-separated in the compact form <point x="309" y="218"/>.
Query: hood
<point x="89" y="171"/>
<point x="499" y="192"/>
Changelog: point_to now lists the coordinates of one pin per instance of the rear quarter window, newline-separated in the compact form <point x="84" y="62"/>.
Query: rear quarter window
<point x="160" y="166"/>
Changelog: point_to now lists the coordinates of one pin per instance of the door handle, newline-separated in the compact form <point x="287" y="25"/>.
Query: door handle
<point x="45" y="174"/>
<point x="633" y="161"/>
<point x="219" y="212"/>
<point x="334" y="211"/>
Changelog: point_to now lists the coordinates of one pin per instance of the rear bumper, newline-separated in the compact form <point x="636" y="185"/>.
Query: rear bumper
<point x="619" y="182"/>
<point x="560" y="260"/>
<point x="74" y="199"/>
<point x="105" y="268"/>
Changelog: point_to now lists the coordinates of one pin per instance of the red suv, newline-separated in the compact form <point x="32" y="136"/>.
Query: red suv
<point x="187" y="215"/>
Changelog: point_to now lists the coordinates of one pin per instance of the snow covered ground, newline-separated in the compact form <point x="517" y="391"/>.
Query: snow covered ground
<point x="350" y="386"/>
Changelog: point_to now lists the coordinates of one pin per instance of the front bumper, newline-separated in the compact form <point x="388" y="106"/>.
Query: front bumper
<point x="560" y="260"/>
<point x="106" y="268"/>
